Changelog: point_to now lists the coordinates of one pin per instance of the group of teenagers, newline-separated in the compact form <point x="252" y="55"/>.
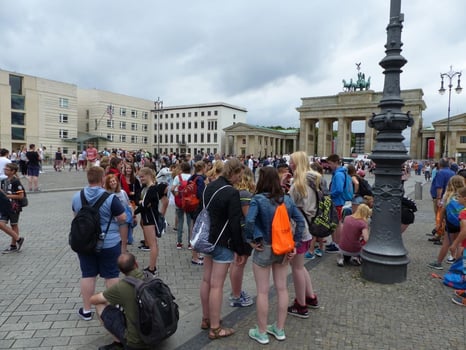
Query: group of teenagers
<point x="241" y="212"/>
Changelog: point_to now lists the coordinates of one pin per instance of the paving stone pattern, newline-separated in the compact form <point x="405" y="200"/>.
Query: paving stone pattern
<point x="40" y="291"/>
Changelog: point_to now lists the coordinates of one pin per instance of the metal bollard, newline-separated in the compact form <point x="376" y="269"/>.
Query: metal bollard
<point x="418" y="191"/>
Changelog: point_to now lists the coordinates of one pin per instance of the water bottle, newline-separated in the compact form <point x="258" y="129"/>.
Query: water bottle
<point x="100" y="242"/>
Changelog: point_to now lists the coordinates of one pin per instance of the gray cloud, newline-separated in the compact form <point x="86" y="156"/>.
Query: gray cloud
<point x="262" y="55"/>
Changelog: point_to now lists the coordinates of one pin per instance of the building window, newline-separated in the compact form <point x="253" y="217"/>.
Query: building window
<point x="134" y="126"/>
<point x="189" y="138"/>
<point x="110" y="123"/>
<point x="171" y="138"/>
<point x="123" y="112"/>
<point x="215" y="112"/>
<point x="195" y="125"/>
<point x="462" y="139"/>
<point x="155" y="126"/>
<point x="161" y="126"/>
<point x="171" y="115"/>
<point x="63" y="118"/>
<point x="63" y="102"/>
<point x="184" y="115"/>
<point x="177" y="115"/>
<point x="195" y="138"/>
<point x="202" y="138"/>
<point x="244" y="141"/>
<point x="177" y="126"/>
<point x="134" y="139"/>
<point x="145" y="115"/>
<point x="122" y="125"/>
<point x="144" y="140"/>
<point x="195" y="114"/>
<point x="17" y="118"/>
<point x="208" y="113"/>
<point x="166" y="138"/>
<point x="215" y="125"/>
<point x="208" y="138"/>
<point x="177" y="138"/>
<point x="17" y="102"/>
<point x="234" y="116"/>
<point x="171" y="126"/>
<point x="183" y="125"/>
<point x="155" y="138"/>
<point x="110" y="137"/>
<point x="189" y="125"/>
<point x="17" y="133"/>
<point x="144" y="127"/>
<point x="202" y="113"/>
<point x="189" y="114"/>
<point x="134" y="114"/>
<point x="215" y="138"/>
<point x="16" y="84"/>
<point x="63" y="134"/>
<point x="122" y="138"/>
<point x="202" y="124"/>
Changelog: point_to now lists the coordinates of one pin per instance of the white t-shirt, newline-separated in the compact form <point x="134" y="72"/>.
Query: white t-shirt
<point x="3" y="161"/>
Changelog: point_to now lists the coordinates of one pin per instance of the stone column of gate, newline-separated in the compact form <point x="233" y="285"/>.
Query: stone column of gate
<point x="344" y="137"/>
<point x="439" y="141"/>
<point x="452" y="147"/>
<point x="324" y="142"/>
<point x="303" y="135"/>
<point x="369" y="137"/>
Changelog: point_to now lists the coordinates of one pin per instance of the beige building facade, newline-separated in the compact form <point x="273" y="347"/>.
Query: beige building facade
<point x="318" y="114"/>
<point x="245" y="139"/>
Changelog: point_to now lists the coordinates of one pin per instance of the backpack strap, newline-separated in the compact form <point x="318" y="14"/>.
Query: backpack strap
<point x="135" y="282"/>
<point x="210" y="200"/>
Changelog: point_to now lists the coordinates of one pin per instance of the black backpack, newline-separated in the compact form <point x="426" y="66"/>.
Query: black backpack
<point x="365" y="188"/>
<point x="158" y="313"/>
<point x="85" y="230"/>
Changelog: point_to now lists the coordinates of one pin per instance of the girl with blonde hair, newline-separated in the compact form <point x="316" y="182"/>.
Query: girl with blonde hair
<point x="246" y="188"/>
<point x="215" y="171"/>
<point x="305" y="199"/>
<point x="449" y="211"/>
<point x="354" y="233"/>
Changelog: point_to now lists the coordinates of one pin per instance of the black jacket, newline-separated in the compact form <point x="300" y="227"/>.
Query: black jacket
<point x="225" y="206"/>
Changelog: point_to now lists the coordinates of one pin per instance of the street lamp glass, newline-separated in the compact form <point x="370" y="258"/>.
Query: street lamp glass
<point x="441" y="91"/>
<point x="459" y="89"/>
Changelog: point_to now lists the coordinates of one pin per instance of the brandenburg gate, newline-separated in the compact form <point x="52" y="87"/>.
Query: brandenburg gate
<point x="317" y="115"/>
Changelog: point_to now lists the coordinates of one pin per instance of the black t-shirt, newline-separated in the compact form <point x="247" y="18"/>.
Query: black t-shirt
<point x="33" y="158"/>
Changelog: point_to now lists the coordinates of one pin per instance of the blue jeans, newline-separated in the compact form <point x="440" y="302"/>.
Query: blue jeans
<point x="180" y="214"/>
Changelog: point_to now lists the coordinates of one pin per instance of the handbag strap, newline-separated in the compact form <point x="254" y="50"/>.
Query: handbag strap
<point x="210" y="200"/>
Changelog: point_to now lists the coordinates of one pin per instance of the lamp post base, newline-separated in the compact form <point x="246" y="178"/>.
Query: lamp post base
<point x="384" y="269"/>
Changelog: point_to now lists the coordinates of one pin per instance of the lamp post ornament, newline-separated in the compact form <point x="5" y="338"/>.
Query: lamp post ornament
<point x="450" y="75"/>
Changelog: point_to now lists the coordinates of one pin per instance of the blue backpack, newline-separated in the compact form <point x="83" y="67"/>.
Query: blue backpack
<point x="452" y="211"/>
<point x="348" y="190"/>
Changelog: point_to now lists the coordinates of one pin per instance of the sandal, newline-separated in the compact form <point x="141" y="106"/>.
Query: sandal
<point x="217" y="333"/>
<point x="205" y="323"/>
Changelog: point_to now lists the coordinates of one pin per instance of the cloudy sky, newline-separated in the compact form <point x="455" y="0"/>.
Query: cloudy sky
<point x="263" y="55"/>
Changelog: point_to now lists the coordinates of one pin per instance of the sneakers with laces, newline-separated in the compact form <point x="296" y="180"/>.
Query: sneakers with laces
<point x="309" y="256"/>
<point x="144" y="248"/>
<point x="298" y="310"/>
<point x="459" y="300"/>
<point x="243" y="300"/>
<point x="461" y="293"/>
<point x="86" y="316"/>
<point x="190" y="247"/>
<point x="147" y="271"/>
<point x="318" y="252"/>
<point x="19" y="243"/>
<point x="261" y="338"/>
<point x="10" y="249"/>
<point x="435" y="265"/>
<point x="243" y="294"/>
<point x="332" y="248"/>
<point x="279" y="334"/>
<point x="312" y="303"/>
<point x="451" y="260"/>
<point x="340" y="262"/>
<point x="179" y="245"/>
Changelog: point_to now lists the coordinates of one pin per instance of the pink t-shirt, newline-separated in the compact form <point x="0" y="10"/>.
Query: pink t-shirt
<point x="91" y="154"/>
<point x="350" y="240"/>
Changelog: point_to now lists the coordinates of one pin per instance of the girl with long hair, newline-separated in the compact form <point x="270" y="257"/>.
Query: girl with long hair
<point x="305" y="199"/>
<point x="258" y="230"/>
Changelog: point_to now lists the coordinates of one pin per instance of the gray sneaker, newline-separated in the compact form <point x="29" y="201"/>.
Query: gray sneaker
<point x="10" y="249"/>
<point x="435" y="265"/>
<point x="19" y="243"/>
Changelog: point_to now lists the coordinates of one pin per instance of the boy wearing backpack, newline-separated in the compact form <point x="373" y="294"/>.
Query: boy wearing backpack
<point x="341" y="190"/>
<point x="121" y="324"/>
<point x="104" y="262"/>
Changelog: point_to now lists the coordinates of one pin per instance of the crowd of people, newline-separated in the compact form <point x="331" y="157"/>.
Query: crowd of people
<point x="142" y="188"/>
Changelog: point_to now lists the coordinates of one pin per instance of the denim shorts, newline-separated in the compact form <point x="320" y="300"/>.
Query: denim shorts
<point x="33" y="170"/>
<point x="222" y="255"/>
<point x="103" y="263"/>
<point x="266" y="257"/>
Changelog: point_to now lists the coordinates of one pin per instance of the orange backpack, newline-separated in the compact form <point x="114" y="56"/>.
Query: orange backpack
<point x="282" y="236"/>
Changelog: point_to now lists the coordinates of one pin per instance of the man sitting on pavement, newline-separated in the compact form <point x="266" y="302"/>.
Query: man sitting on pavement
<point x="121" y="324"/>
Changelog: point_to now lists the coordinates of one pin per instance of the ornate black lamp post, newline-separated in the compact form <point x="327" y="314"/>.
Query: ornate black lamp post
<point x="450" y="75"/>
<point x="385" y="257"/>
<point x="158" y="107"/>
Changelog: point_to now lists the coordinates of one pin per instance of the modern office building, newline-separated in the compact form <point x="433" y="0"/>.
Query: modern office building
<point x="54" y="114"/>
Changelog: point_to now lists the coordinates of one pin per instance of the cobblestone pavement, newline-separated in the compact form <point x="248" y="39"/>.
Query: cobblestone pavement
<point x="40" y="292"/>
